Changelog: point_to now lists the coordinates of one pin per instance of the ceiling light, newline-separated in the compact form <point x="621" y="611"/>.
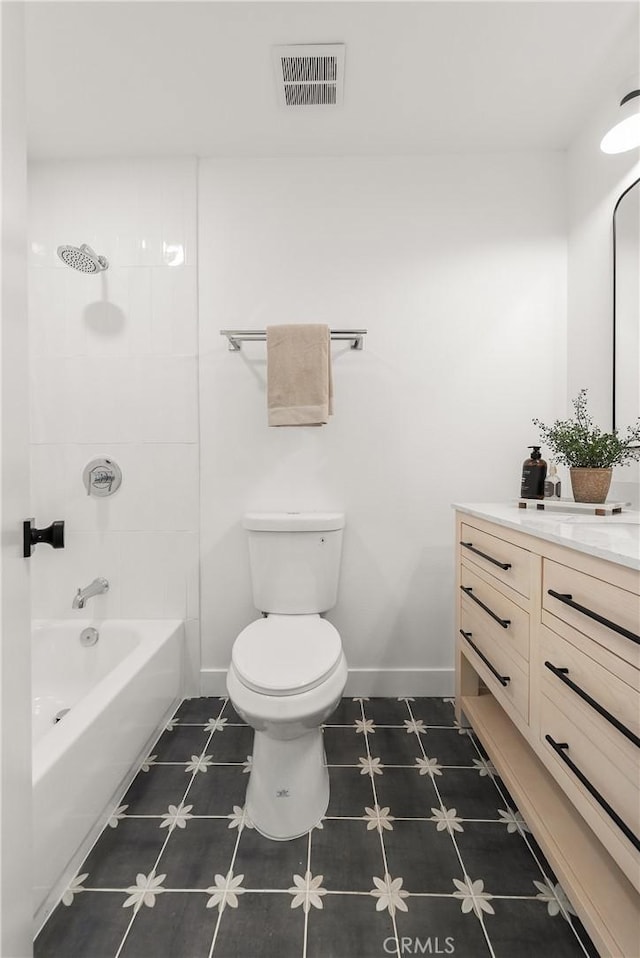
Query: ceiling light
<point x="625" y="135"/>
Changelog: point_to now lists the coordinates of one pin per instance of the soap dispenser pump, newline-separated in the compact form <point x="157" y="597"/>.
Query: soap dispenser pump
<point x="552" y="483"/>
<point x="534" y="473"/>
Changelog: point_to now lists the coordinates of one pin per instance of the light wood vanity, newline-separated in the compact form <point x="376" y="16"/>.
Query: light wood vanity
<point x="548" y="675"/>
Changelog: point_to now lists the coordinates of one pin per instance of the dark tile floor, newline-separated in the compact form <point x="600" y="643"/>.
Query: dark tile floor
<point x="422" y="851"/>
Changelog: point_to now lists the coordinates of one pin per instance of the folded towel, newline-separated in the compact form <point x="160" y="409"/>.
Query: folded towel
<point x="299" y="381"/>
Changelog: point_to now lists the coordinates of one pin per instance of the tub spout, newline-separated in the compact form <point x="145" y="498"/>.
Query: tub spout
<point x="97" y="587"/>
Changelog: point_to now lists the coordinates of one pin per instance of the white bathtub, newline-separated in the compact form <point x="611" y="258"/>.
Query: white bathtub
<point x="119" y="692"/>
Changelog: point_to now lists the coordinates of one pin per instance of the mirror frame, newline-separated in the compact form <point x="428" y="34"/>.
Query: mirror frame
<point x="615" y="210"/>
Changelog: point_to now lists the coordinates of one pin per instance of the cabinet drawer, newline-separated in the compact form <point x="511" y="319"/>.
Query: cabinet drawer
<point x="508" y="681"/>
<point x="593" y="769"/>
<point x="492" y="606"/>
<point x="597" y="600"/>
<point x="496" y="555"/>
<point x="587" y="676"/>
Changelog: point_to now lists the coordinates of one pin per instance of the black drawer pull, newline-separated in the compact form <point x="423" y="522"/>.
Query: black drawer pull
<point x="568" y="600"/>
<point x="502" y="679"/>
<point x="563" y="675"/>
<point x="560" y="748"/>
<point x="470" y="546"/>
<point x="505" y="623"/>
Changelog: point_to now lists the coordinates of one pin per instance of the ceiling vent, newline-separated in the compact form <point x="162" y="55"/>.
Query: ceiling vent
<point x="310" y="74"/>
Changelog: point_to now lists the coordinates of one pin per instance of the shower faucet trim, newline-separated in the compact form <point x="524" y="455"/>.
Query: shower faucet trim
<point x="97" y="587"/>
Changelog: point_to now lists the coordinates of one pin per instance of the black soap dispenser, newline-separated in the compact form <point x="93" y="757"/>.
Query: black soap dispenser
<point x="534" y="473"/>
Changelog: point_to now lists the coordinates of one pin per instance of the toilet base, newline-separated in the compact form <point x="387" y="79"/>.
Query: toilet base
<point x="288" y="791"/>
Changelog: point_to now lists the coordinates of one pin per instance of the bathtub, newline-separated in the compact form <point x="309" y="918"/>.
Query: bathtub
<point x="119" y="693"/>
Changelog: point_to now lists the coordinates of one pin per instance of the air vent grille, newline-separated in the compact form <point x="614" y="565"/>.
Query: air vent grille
<point x="310" y="94"/>
<point x="309" y="69"/>
<point x="310" y="74"/>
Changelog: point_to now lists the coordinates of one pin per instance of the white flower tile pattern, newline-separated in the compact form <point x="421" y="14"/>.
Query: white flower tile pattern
<point x="446" y="818"/>
<point x="403" y="832"/>
<point x="370" y="766"/>
<point x="117" y="815"/>
<point x="225" y="891"/>
<point x="74" y="888"/>
<point x="473" y="896"/>
<point x="429" y="766"/>
<point x="379" y="818"/>
<point x="390" y="894"/>
<point x="215" y="725"/>
<point x="513" y="820"/>
<point x="555" y="898"/>
<point x="176" y="816"/>
<point x="365" y="725"/>
<point x="145" y="890"/>
<point x="199" y="763"/>
<point x="414" y="726"/>
<point x="307" y="891"/>
<point x="239" y="819"/>
<point x="484" y="766"/>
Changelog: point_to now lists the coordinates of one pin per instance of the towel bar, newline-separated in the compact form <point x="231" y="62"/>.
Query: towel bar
<point x="237" y="336"/>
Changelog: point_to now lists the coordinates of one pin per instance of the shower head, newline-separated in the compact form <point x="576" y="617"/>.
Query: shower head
<point x="82" y="259"/>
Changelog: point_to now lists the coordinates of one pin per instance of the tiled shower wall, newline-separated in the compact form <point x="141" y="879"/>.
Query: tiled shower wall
<point x="113" y="361"/>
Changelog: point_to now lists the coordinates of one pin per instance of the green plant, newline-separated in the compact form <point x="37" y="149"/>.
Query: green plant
<point x="579" y="443"/>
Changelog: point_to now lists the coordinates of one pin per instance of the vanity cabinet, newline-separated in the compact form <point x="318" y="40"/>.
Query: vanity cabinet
<point x="548" y="675"/>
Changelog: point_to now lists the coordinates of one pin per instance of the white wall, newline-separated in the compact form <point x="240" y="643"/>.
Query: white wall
<point x="595" y="180"/>
<point x="15" y="673"/>
<point x="114" y="373"/>
<point x="457" y="267"/>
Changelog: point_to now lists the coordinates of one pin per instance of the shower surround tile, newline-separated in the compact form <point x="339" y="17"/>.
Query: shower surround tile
<point x="434" y="852"/>
<point x="114" y="372"/>
<point x="172" y="508"/>
<point x="151" y="575"/>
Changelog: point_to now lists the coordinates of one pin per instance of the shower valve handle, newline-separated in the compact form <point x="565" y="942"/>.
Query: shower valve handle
<point x="53" y="535"/>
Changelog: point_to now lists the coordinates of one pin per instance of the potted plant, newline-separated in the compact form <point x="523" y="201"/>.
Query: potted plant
<point x="589" y="452"/>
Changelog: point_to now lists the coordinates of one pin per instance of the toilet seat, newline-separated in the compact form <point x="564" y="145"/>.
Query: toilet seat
<point x="286" y="654"/>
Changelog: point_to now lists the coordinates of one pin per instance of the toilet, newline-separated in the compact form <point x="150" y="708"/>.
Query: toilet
<point x="288" y="670"/>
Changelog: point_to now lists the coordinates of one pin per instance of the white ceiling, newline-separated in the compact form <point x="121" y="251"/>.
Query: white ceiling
<point x="140" y="78"/>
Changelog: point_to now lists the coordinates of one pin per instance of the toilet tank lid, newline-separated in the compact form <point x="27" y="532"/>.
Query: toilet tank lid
<point x="293" y="521"/>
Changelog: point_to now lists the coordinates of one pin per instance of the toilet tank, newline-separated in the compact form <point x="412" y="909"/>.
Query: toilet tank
<point x="295" y="560"/>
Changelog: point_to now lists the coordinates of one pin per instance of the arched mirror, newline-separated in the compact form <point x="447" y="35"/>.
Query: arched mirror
<point x="626" y="307"/>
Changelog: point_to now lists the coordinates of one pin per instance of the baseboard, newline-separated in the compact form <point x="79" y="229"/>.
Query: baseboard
<point x="384" y="682"/>
<point x="213" y="681"/>
<point x="399" y="682"/>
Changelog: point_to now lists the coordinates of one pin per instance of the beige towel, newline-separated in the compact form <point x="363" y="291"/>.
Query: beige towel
<point x="299" y="382"/>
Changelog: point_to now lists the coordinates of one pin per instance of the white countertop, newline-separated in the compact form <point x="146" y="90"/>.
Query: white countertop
<point x="615" y="538"/>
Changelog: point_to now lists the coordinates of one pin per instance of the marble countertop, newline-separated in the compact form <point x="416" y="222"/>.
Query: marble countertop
<point x="615" y="538"/>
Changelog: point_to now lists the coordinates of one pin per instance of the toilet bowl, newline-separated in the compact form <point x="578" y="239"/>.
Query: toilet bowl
<point x="288" y="670"/>
<point x="286" y="700"/>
